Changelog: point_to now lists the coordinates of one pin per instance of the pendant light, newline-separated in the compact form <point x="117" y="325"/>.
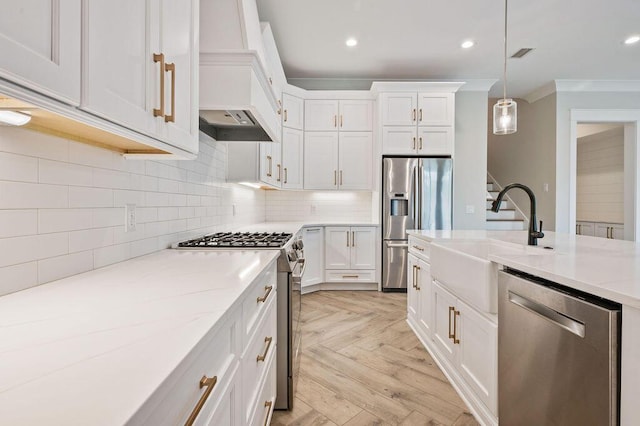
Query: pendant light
<point x="505" y="111"/>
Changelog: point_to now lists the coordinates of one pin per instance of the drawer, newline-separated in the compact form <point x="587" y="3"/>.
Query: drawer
<point x="263" y="407"/>
<point x="419" y="247"/>
<point x="350" y="276"/>
<point x="257" y="356"/>
<point x="216" y="356"/>
<point x="227" y="410"/>
<point x="261" y="293"/>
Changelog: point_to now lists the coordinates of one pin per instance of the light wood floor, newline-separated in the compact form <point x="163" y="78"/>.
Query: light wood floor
<point x="362" y="365"/>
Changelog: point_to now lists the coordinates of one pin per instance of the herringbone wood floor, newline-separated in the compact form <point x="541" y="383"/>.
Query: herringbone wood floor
<point x="362" y="365"/>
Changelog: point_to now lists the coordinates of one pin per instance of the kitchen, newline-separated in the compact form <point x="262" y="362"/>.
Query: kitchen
<point x="64" y="202"/>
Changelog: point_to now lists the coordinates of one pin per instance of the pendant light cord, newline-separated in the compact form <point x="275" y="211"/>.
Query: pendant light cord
<point x="504" y="93"/>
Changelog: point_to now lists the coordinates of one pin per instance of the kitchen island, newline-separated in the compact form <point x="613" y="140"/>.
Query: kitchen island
<point x="608" y="269"/>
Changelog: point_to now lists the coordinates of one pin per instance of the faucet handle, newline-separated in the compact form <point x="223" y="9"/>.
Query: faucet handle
<point x="540" y="233"/>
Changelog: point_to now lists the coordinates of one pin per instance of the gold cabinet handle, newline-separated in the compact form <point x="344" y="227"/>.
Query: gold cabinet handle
<point x="417" y="248"/>
<point x="414" y="142"/>
<point x="353" y="238"/>
<point x="347" y="238"/>
<point x="335" y="178"/>
<point x="413" y="284"/>
<point x="286" y="175"/>
<point x="269" y="159"/>
<point x="335" y="121"/>
<point x="420" y="139"/>
<point x="267" y="289"/>
<point x="280" y="107"/>
<point x="456" y="341"/>
<point x="414" y="115"/>
<point x="451" y="335"/>
<point x="279" y="170"/>
<point x="421" y="115"/>
<point x="350" y="276"/>
<point x="209" y="383"/>
<point x="417" y="278"/>
<point x="286" y="116"/>
<point x="267" y="405"/>
<point x="270" y="81"/>
<point x="340" y="120"/>
<point x="340" y="177"/>
<point x="159" y="57"/>
<point x="262" y="357"/>
<point x="171" y="117"/>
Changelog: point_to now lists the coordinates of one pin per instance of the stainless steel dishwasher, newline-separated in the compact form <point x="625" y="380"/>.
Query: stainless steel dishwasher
<point x="558" y="354"/>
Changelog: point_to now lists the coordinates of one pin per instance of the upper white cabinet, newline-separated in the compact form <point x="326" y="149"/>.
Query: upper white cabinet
<point x="335" y="160"/>
<point x="292" y="158"/>
<point x="140" y="67"/>
<point x="417" y="123"/>
<point x="344" y="115"/>
<point x="40" y="45"/>
<point x="292" y="112"/>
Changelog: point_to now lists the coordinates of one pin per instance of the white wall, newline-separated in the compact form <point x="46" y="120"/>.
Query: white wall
<point x="528" y="157"/>
<point x="318" y="206"/>
<point x="600" y="177"/>
<point x="62" y="205"/>
<point x="470" y="160"/>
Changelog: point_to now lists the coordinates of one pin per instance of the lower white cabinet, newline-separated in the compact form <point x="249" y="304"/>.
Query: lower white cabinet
<point x="228" y="408"/>
<point x="612" y="231"/>
<point x="586" y="228"/>
<point x="413" y="302"/>
<point x="350" y="247"/>
<point x="313" y="239"/>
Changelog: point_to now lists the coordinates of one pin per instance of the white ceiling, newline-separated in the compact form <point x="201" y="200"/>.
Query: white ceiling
<point x="420" y="39"/>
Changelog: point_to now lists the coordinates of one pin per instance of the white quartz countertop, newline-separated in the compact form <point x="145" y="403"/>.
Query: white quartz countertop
<point x="90" y="349"/>
<point x="603" y="267"/>
<point x="294" y="227"/>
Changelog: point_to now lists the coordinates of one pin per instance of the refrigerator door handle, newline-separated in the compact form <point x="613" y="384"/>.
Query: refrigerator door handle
<point x="391" y="245"/>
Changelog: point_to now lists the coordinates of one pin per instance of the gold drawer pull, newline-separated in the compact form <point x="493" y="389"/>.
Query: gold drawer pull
<point x="262" y="357"/>
<point x="350" y="276"/>
<point x="418" y="248"/>
<point x="451" y="335"/>
<point x="209" y="383"/>
<point x="268" y="289"/>
<point x="159" y="57"/>
<point x="172" y="117"/>
<point x="417" y="277"/>
<point x="286" y="116"/>
<point x="267" y="405"/>
<point x="456" y="341"/>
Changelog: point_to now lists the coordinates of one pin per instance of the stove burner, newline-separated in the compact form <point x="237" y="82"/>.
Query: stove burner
<point x="239" y="240"/>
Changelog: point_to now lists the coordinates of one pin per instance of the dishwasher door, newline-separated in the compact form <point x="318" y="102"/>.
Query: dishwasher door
<point x="558" y="356"/>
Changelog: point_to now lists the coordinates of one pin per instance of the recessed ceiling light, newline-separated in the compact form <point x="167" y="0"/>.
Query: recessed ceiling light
<point x="632" y="40"/>
<point x="467" y="44"/>
<point x="351" y="42"/>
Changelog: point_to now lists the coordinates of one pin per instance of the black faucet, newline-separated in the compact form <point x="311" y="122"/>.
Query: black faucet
<point x="534" y="234"/>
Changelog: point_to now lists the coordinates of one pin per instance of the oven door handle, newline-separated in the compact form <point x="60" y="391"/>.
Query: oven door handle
<point x="303" y="266"/>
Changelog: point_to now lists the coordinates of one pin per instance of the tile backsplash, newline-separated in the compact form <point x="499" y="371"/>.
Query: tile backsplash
<point x="62" y="205"/>
<point x="318" y="206"/>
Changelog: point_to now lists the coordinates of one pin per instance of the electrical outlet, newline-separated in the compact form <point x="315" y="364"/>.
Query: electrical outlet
<point x="130" y="218"/>
<point x="546" y="187"/>
<point x="313" y="209"/>
<point x="470" y="209"/>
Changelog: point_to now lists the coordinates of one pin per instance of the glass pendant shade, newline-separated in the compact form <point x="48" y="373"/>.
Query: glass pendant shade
<point x="505" y="117"/>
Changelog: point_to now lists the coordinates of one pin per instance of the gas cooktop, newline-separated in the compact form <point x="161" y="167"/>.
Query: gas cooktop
<point x="231" y="240"/>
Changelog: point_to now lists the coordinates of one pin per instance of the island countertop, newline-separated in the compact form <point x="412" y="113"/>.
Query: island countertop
<point x="604" y="267"/>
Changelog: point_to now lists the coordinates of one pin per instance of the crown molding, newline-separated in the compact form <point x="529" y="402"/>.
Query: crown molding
<point x="541" y="92"/>
<point x="583" y="86"/>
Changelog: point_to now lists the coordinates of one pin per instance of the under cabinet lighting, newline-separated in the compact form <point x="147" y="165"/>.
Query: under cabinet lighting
<point x="467" y="44"/>
<point x="250" y="184"/>
<point x="632" y="40"/>
<point x="14" y="118"/>
<point x="351" y="42"/>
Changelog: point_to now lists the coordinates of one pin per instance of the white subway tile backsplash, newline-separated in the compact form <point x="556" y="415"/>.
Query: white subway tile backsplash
<point x="103" y="218"/>
<point x="58" y="220"/>
<point x="109" y="255"/>
<point x="19" y="195"/>
<point x="89" y="239"/>
<point x="18" y="167"/>
<point x="34" y="144"/>
<point x="55" y="268"/>
<point x="122" y="197"/>
<point x="142" y="247"/>
<point x="103" y="178"/>
<point x="18" y="277"/>
<point x="26" y="249"/>
<point x="84" y="197"/>
<point x="58" y="172"/>
<point x="16" y="223"/>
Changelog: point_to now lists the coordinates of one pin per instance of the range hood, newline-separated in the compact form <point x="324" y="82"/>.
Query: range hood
<point x="237" y="100"/>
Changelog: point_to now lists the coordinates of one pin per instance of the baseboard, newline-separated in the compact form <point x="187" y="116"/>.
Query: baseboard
<point x="340" y="286"/>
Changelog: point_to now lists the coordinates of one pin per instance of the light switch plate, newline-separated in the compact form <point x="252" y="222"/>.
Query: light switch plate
<point x="130" y="218"/>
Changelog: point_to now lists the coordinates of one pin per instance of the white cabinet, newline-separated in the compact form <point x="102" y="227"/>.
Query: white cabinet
<point x="417" y="123"/>
<point x="611" y="231"/>
<point x="335" y="160"/>
<point x="444" y="313"/>
<point x="40" y="45"/>
<point x="292" y="112"/>
<point x="343" y="115"/>
<point x="140" y="67"/>
<point x="425" y="297"/>
<point x="292" y="158"/>
<point x="413" y="300"/>
<point x="228" y="408"/>
<point x="350" y="248"/>
<point x="313" y="239"/>
<point x="586" y="228"/>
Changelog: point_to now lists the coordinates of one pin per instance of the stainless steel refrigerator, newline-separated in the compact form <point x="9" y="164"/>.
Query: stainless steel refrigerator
<point x="416" y="194"/>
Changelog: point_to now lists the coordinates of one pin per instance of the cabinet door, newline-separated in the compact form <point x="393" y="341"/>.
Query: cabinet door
<point x="278" y="172"/>
<point x="292" y="158"/>
<point x="356" y="115"/>
<point x="313" y="240"/>
<point x="413" y="301"/>
<point x="399" y="109"/>
<point x="178" y="42"/>
<point x="425" y="298"/>
<point x="363" y="247"/>
<point x="435" y="140"/>
<point x="337" y="253"/>
<point x="228" y="410"/>
<point x="320" y="160"/>
<point x="292" y="112"/>
<point x="121" y="82"/>
<point x="602" y="230"/>
<point x="320" y="114"/>
<point x="40" y="45"/>
<point x="478" y="353"/>
<point x="399" y="140"/>
<point x="266" y="162"/>
<point x="617" y="232"/>
<point x="435" y="109"/>
<point x="444" y="309"/>
<point x="355" y="158"/>
<point x="585" y="228"/>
